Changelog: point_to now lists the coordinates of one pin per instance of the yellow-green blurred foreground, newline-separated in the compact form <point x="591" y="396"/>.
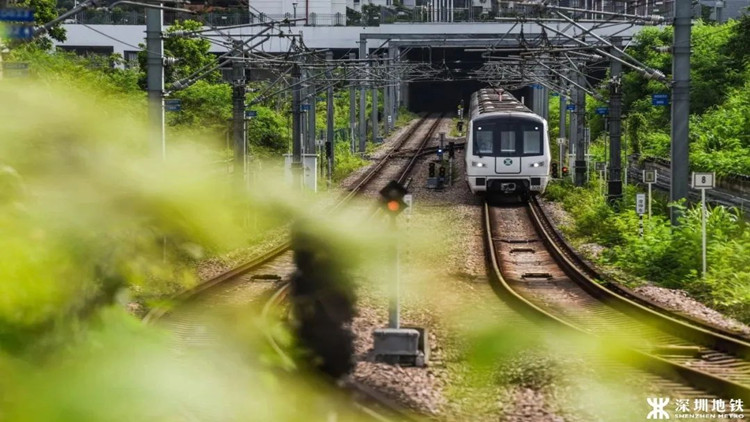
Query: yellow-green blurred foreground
<point x="91" y="219"/>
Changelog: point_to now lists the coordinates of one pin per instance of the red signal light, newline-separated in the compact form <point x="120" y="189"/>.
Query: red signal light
<point x="393" y="206"/>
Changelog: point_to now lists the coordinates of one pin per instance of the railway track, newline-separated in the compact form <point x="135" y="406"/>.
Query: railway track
<point x="186" y="315"/>
<point x="540" y="276"/>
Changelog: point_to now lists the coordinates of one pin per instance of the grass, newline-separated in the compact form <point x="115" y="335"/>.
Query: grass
<point x="668" y="256"/>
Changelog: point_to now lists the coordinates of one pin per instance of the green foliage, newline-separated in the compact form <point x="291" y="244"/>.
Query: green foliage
<point x="96" y="74"/>
<point x="669" y="256"/>
<point x="206" y="108"/>
<point x="720" y="79"/>
<point x="269" y="130"/>
<point x="192" y="55"/>
<point x="44" y="11"/>
<point x="721" y="136"/>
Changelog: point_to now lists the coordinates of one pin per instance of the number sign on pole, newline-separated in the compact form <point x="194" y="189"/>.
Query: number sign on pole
<point x="649" y="177"/>
<point x="703" y="181"/>
<point x="640" y="208"/>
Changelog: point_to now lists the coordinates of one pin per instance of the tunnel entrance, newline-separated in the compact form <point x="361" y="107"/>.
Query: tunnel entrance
<point x="452" y="79"/>
<point x="441" y="96"/>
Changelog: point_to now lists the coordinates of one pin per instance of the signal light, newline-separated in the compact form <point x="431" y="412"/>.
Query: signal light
<point x="554" y="170"/>
<point x="565" y="171"/>
<point x="393" y="198"/>
<point x="432" y="170"/>
<point x="451" y="149"/>
<point x="441" y="172"/>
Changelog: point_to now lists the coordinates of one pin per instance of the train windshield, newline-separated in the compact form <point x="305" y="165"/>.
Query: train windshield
<point x="508" y="137"/>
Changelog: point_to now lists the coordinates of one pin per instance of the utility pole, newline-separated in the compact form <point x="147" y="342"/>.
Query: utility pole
<point x="561" y="137"/>
<point x="386" y="97"/>
<point x="362" y="96"/>
<point x="329" y="118"/>
<point x="580" y="170"/>
<point x="352" y="110"/>
<point x="393" y="108"/>
<point x="312" y="95"/>
<point x="614" y="194"/>
<point x="296" y="128"/>
<point x="155" y="77"/>
<point x="680" y="104"/>
<point x="374" y="110"/>
<point x="395" y="56"/>
<point x="573" y="128"/>
<point x="238" y="112"/>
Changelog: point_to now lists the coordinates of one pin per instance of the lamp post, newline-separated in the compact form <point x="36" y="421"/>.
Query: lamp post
<point x="294" y="7"/>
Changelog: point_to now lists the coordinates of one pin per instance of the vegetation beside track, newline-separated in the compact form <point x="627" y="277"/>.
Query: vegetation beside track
<point x="668" y="256"/>
<point x="719" y="104"/>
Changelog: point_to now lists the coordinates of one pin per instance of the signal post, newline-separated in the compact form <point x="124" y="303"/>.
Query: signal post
<point x="395" y="344"/>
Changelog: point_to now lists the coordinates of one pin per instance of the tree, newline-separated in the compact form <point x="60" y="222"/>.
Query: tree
<point x="45" y="11"/>
<point x="192" y="54"/>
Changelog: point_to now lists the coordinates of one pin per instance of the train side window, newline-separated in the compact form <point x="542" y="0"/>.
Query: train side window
<point x="484" y="142"/>
<point x="507" y="142"/>
<point x="532" y="142"/>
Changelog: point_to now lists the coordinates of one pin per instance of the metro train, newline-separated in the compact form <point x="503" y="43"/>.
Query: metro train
<point x="507" y="146"/>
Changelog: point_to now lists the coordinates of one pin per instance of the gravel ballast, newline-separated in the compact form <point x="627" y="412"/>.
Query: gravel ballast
<point x="674" y="300"/>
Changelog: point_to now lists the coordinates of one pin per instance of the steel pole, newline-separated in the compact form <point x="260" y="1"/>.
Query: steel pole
<point x="703" y="229"/>
<point x="155" y="76"/>
<point x="573" y="129"/>
<point x="680" y="105"/>
<point x="329" y="118"/>
<point x="374" y="109"/>
<point x="386" y="97"/>
<point x="614" y="193"/>
<point x="394" y="305"/>
<point x="580" y="111"/>
<point x="238" y="114"/>
<point x="561" y="136"/>
<point x="352" y="111"/>
<point x="312" y="96"/>
<point x="362" y="97"/>
<point x="296" y="127"/>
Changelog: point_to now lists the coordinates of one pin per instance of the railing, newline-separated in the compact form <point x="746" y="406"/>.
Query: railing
<point x="384" y="16"/>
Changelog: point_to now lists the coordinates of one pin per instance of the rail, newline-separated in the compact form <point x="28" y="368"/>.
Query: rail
<point x="613" y="307"/>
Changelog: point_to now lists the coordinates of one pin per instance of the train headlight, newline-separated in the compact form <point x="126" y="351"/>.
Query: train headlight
<point x="537" y="164"/>
<point x="478" y="164"/>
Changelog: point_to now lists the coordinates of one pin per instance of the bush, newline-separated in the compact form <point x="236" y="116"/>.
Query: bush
<point x="668" y="256"/>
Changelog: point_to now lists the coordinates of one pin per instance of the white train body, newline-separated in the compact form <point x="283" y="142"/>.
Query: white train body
<point x="507" y="145"/>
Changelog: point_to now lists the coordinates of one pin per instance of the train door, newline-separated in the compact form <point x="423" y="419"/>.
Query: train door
<point x="509" y="149"/>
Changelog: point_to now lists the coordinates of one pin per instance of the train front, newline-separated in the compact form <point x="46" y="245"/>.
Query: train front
<point x="508" y="153"/>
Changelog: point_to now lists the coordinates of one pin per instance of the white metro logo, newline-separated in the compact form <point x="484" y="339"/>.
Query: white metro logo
<point x="657" y="404"/>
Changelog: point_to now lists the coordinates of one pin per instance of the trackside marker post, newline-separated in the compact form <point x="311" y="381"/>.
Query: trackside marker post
<point x="649" y="177"/>
<point x="703" y="181"/>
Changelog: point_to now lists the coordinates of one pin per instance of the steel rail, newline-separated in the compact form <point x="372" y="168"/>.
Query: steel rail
<point x="586" y="277"/>
<point x="736" y="342"/>
<point x="185" y="296"/>
<point x="632" y="356"/>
